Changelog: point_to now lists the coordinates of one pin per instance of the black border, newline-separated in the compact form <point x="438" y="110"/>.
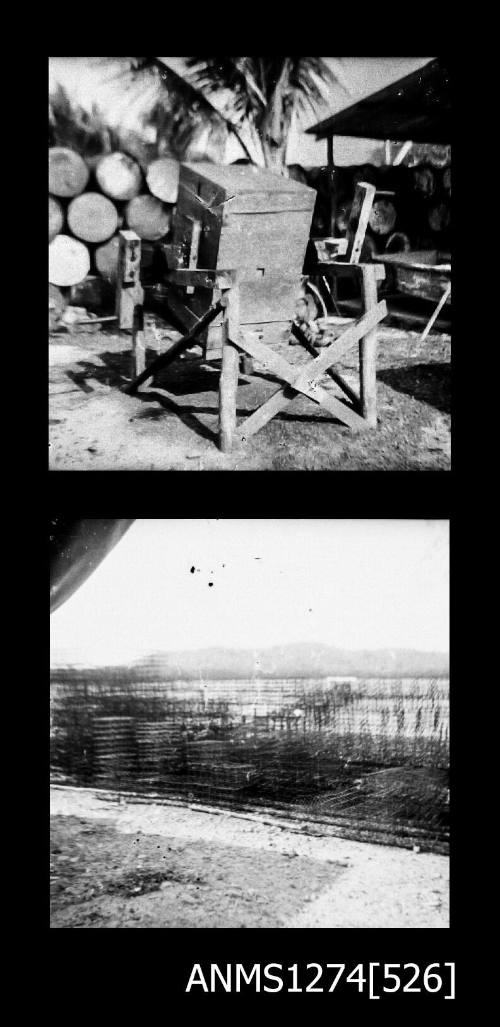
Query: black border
<point x="156" y="976"/>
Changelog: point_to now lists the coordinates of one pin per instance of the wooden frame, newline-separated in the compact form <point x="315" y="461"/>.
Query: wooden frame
<point x="242" y="344"/>
<point x="362" y="412"/>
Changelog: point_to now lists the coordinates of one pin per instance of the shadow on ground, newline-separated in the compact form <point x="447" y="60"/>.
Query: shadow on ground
<point x="429" y="383"/>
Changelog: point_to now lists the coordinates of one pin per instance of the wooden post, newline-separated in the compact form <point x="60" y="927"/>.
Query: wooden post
<point x="193" y="250"/>
<point x="138" y="342"/>
<point x="228" y="384"/>
<point x="129" y="292"/>
<point x="358" y="220"/>
<point x="332" y="185"/>
<point x="368" y="349"/>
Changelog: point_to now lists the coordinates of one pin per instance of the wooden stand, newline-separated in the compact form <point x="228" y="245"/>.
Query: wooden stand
<point x="253" y="296"/>
<point x="129" y="292"/>
<point x="304" y="380"/>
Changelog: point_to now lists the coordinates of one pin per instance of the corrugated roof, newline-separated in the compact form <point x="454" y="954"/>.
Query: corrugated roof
<point x="416" y="107"/>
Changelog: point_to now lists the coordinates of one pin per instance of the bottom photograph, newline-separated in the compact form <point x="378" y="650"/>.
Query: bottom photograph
<point x="249" y="723"/>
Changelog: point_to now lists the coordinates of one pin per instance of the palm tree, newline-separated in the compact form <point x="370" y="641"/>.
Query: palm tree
<point x="260" y="97"/>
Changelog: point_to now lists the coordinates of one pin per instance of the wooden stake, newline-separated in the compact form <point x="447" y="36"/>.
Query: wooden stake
<point x="129" y="292"/>
<point x="332" y="185"/>
<point x="228" y="384"/>
<point x="368" y="349"/>
<point x="358" y="220"/>
<point x="138" y="342"/>
<point x="444" y="298"/>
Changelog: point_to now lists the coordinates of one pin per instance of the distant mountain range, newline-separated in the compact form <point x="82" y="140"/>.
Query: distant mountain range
<point x="300" y="660"/>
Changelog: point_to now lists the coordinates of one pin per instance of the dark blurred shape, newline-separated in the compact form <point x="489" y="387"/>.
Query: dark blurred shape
<point x="77" y="547"/>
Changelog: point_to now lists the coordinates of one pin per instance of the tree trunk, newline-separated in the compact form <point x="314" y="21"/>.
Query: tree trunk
<point x="383" y="217"/>
<point x="148" y="217"/>
<point x="106" y="259"/>
<point x="92" y="217"/>
<point x="163" y="179"/>
<point x="68" y="172"/>
<point x="275" y="126"/>
<point x="56" y="218"/>
<point x="57" y="304"/>
<point x="119" y="176"/>
<point x="69" y="261"/>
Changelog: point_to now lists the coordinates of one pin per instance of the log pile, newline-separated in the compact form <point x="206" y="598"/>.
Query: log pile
<point x="89" y="201"/>
<point x="412" y="207"/>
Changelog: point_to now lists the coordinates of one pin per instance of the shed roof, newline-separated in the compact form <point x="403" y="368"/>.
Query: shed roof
<point x="416" y="107"/>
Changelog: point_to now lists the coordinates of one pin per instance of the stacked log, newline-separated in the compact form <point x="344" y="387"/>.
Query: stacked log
<point x="119" y="176"/>
<point x="69" y="261"/>
<point x="148" y="216"/>
<point x="57" y="304"/>
<point x="92" y="217"/>
<point x="382" y="217"/>
<point x="89" y="201"/>
<point x="68" y="172"/>
<point x="106" y="259"/>
<point x="398" y="242"/>
<point x="56" y="217"/>
<point x="163" y="179"/>
<point x="411" y="209"/>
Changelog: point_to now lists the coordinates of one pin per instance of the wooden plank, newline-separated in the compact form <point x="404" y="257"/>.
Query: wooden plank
<point x="138" y="343"/>
<point x="345" y="270"/>
<point x="210" y="234"/>
<point x="358" y="220"/>
<point x="279" y="400"/>
<point x="334" y="375"/>
<point x="271" y="241"/>
<point x="228" y="382"/>
<point x="182" y="313"/>
<point x="194" y="249"/>
<point x="444" y="298"/>
<point x="273" y="333"/>
<point x="368" y="351"/>
<point x="273" y="297"/>
<point x="299" y="382"/>
<point x="246" y="189"/>
<point x="263" y="297"/>
<point x="336" y="349"/>
<point x="129" y="292"/>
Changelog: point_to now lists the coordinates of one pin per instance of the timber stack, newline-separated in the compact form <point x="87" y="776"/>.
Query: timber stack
<point x="89" y="202"/>
<point x="411" y="210"/>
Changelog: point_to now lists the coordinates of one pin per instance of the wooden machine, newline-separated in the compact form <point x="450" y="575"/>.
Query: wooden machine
<point x="233" y="275"/>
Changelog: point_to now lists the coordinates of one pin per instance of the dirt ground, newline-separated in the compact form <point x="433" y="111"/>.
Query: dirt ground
<point x="173" y="425"/>
<point x="128" y="864"/>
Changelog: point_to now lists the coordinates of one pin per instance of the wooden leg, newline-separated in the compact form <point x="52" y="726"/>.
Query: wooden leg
<point x="368" y="351"/>
<point x="129" y="292"/>
<point x="446" y="295"/>
<point x="138" y="343"/>
<point x="228" y="387"/>
<point x="228" y="384"/>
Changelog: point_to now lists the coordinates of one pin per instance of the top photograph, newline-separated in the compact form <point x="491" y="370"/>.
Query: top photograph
<point x="249" y="264"/>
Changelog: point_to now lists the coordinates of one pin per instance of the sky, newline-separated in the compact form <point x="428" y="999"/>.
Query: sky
<point x="349" y="583"/>
<point x="88" y="83"/>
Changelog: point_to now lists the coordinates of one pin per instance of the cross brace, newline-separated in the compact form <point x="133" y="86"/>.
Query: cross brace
<point x="306" y="379"/>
